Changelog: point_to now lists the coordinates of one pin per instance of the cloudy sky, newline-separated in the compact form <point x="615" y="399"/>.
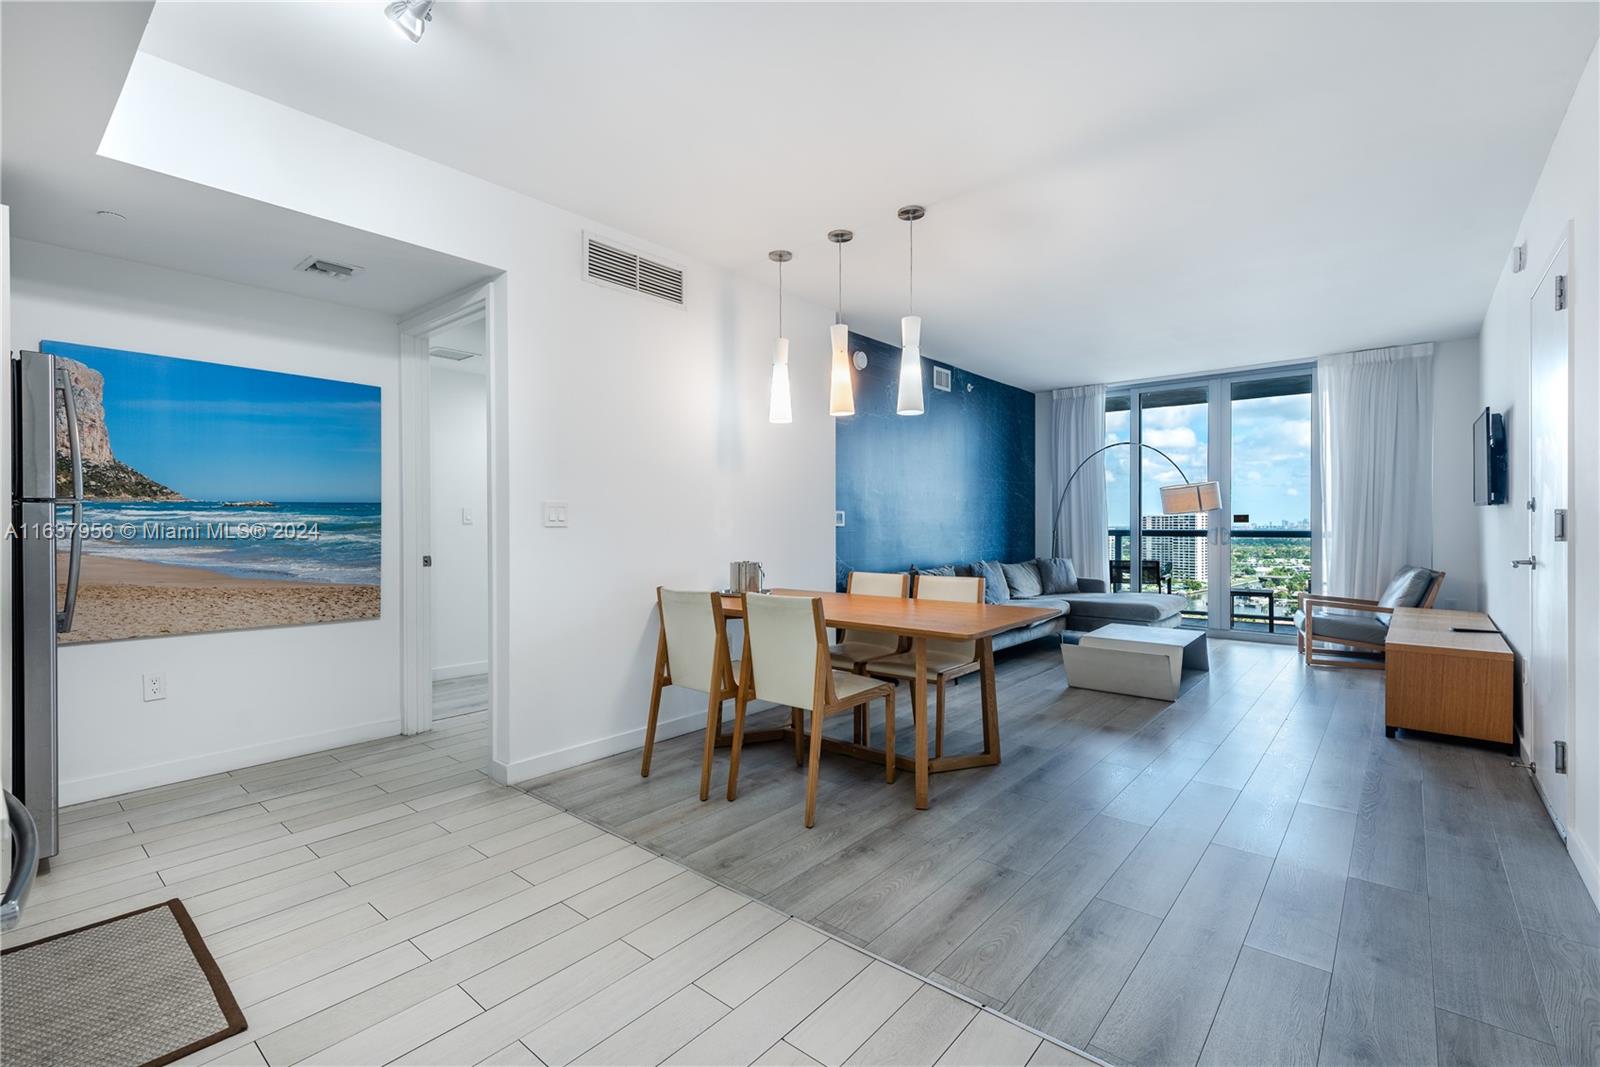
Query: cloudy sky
<point x="1271" y="457"/>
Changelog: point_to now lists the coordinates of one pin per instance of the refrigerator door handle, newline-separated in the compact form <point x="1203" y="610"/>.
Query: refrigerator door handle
<point x="75" y="560"/>
<point x="24" y="861"/>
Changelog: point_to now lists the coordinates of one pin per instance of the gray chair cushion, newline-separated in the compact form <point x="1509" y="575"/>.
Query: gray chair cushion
<point x="1363" y="627"/>
<point x="1022" y="578"/>
<point x="1137" y="608"/>
<point x="1056" y="576"/>
<point x="1407" y="588"/>
<point x="995" y="590"/>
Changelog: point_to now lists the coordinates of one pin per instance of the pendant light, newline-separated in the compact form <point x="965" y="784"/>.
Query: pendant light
<point x="778" y="408"/>
<point x="841" y="395"/>
<point x="909" y="401"/>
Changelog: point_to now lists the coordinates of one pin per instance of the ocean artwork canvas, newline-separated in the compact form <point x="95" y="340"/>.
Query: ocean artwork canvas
<point x="218" y="497"/>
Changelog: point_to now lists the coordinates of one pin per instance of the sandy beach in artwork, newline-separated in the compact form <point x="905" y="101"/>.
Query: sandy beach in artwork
<point x="119" y="598"/>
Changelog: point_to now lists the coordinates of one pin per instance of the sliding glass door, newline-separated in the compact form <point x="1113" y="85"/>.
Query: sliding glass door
<point x="1241" y="568"/>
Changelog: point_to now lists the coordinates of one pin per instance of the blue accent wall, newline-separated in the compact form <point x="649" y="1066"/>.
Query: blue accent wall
<point x="952" y="485"/>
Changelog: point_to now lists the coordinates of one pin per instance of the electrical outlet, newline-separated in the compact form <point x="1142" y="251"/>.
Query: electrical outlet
<point x="555" y="513"/>
<point x="155" y="687"/>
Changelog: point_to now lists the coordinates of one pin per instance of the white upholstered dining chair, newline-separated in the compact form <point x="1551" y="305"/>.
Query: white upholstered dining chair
<point x="691" y="652"/>
<point x="785" y="660"/>
<point x="859" y="647"/>
<point x="946" y="660"/>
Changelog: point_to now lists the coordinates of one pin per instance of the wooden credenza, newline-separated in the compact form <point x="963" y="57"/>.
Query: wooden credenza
<point x="1447" y="682"/>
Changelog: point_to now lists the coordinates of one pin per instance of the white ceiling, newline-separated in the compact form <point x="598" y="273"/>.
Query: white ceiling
<point x="1114" y="191"/>
<point x="63" y="68"/>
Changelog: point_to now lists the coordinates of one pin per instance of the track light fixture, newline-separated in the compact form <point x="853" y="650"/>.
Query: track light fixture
<point x="411" y="17"/>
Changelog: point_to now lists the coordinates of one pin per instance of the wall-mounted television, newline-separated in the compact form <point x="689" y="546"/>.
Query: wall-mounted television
<point x="1489" y="459"/>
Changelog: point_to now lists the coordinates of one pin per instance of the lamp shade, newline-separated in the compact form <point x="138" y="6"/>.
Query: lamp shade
<point x="1190" y="498"/>
<point x="778" y="410"/>
<point x="909" y="401"/>
<point x="841" y="395"/>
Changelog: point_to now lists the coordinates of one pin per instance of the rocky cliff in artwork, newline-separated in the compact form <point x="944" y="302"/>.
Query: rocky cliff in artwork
<point x="104" y="476"/>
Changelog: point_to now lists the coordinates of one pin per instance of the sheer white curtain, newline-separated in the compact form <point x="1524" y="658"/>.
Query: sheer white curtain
<point x="1077" y="428"/>
<point x="1376" y="414"/>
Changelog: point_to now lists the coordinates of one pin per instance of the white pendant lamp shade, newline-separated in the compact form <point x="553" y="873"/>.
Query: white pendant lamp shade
<point x="841" y="390"/>
<point x="779" y="411"/>
<point x="841" y="397"/>
<point x="909" y="401"/>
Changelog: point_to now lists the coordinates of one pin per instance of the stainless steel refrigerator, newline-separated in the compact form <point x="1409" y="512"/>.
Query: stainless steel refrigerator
<point x="46" y="508"/>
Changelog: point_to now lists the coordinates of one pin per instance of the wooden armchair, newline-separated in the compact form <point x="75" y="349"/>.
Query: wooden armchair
<point x="1412" y="587"/>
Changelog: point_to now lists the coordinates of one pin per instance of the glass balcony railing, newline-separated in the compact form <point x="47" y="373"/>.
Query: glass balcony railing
<point x="1269" y="568"/>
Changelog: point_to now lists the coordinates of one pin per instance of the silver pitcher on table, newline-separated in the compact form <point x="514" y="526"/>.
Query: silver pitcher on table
<point x="746" y="576"/>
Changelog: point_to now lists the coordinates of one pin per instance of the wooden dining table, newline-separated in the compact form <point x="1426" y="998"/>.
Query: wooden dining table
<point x="920" y="621"/>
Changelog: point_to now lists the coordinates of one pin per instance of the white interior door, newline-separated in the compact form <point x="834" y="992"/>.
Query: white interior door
<point x="1549" y="661"/>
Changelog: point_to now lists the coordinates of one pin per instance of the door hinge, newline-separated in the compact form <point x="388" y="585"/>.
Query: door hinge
<point x="1561" y="292"/>
<point x="1561" y="757"/>
<point x="1519" y="258"/>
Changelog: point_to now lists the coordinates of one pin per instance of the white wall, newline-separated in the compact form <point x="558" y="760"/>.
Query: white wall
<point x="1566" y="194"/>
<point x="458" y="426"/>
<point x="648" y="420"/>
<point x="1455" y="521"/>
<point x="233" y="701"/>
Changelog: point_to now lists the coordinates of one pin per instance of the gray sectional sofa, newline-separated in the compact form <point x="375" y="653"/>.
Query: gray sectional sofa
<point x="1084" y="603"/>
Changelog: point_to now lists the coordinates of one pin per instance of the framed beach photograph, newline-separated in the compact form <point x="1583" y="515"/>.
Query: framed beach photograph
<point x="218" y="497"/>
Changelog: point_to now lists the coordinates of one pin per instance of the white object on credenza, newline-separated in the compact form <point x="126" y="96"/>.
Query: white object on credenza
<point x="1141" y="661"/>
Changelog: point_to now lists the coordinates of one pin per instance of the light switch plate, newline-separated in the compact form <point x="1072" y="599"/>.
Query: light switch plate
<point x="555" y="513"/>
<point x="838" y="518"/>
<point x="466" y="516"/>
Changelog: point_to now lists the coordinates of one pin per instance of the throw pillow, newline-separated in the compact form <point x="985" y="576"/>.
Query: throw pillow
<point x="1057" y="576"/>
<point x="995" y="590"/>
<point x="946" y="571"/>
<point x="1022" y="579"/>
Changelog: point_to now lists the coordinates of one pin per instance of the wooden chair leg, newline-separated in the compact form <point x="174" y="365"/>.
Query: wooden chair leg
<point x="737" y="745"/>
<point x="650" y="724"/>
<point x="713" y="727"/>
<point x="861" y="725"/>
<point x="888" y="737"/>
<point x="797" y="725"/>
<point x="814" y="770"/>
<point x="938" y="718"/>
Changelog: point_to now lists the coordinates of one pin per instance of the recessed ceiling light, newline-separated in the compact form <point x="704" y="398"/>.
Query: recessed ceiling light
<point x="111" y="216"/>
<point x="411" y="17"/>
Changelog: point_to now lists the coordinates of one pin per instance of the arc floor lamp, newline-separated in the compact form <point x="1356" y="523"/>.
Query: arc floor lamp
<point x="1187" y="498"/>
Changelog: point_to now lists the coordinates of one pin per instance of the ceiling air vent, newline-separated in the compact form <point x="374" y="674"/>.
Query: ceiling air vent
<point x="629" y="270"/>
<point x="327" y="268"/>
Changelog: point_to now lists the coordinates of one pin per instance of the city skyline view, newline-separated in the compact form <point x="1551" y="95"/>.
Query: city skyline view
<point x="1269" y="491"/>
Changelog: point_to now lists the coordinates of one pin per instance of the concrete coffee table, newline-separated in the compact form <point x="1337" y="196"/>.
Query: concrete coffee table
<point x="1141" y="661"/>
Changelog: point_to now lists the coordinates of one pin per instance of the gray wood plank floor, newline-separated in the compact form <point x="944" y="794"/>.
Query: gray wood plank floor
<point x="387" y="902"/>
<point x="1251" y="874"/>
<point x="460" y="696"/>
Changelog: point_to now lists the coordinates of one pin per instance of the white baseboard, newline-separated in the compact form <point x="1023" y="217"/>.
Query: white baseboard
<point x="94" y="787"/>
<point x="460" y="670"/>
<point x="523" y="770"/>
<point x="1587" y="863"/>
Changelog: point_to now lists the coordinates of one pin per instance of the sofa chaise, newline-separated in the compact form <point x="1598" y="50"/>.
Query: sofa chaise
<point x="1083" y="603"/>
